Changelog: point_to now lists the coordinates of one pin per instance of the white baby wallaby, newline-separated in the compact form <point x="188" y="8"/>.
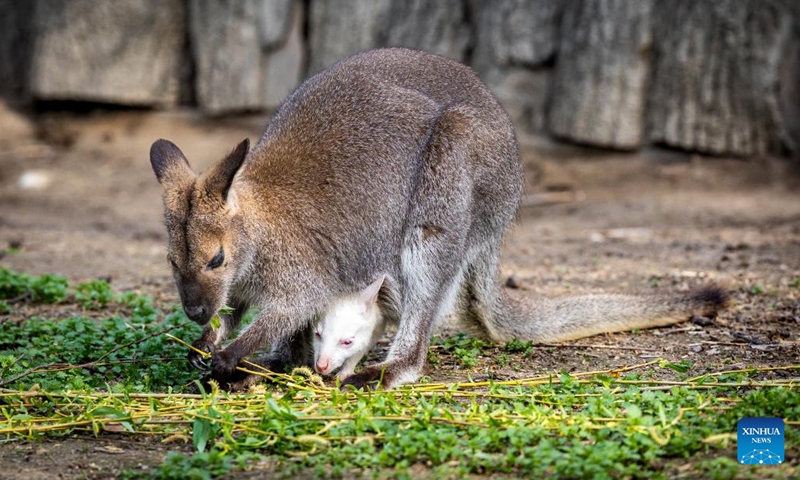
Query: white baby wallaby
<point x="348" y="328"/>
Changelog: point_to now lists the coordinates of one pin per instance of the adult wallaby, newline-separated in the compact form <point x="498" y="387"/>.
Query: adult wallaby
<point x="391" y="161"/>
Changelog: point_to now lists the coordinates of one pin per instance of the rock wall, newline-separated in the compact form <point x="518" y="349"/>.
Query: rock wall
<point x="600" y="85"/>
<point x="116" y="51"/>
<point x="713" y="76"/>
<point x="717" y="76"/>
<point x="516" y="43"/>
<point x="16" y="33"/>
<point x="339" y="28"/>
<point x="248" y="54"/>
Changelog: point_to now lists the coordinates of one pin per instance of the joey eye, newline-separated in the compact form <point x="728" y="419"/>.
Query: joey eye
<point x="346" y="342"/>
<point x="172" y="262"/>
<point x="318" y="334"/>
<point x="217" y="260"/>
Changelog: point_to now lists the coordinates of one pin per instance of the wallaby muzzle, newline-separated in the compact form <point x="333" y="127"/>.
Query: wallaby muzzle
<point x="196" y="302"/>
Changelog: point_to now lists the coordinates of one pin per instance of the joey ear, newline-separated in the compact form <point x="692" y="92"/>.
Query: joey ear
<point x="370" y="294"/>
<point x="221" y="176"/>
<point x="169" y="163"/>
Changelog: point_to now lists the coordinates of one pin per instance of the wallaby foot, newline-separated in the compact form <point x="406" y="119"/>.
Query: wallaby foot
<point x="238" y="380"/>
<point x="285" y="353"/>
<point x="211" y="338"/>
<point x="386" y="375"/>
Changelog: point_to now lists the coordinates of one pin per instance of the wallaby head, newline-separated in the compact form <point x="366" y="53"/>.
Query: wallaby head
<point x="203" y="225"/>
<point x="346" y="330"/>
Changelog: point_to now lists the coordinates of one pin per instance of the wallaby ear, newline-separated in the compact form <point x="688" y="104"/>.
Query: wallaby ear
<point x="370" y="294"/>
<point x="168" y="161"/>
<point x="220" y="178"/>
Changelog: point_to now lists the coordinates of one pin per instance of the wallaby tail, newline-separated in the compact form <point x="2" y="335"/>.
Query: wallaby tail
<point x="547" y="320"/>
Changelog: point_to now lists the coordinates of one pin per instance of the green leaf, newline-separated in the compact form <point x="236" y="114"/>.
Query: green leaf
<point x="201" y="431"/>
<point x="106" y="412"/>
<point x="633" y="412"/>
<point x="680" y="367"/>
<point x="122" y="418"/>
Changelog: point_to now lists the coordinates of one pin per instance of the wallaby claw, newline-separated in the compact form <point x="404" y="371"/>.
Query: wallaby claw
<point x="197" y="360"/>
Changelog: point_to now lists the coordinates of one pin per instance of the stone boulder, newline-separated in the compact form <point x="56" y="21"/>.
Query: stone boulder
<point x="516" y="42"/>
<point x="340" y="28"/>
<point x="599" y="92"/>
<point x="128" y="52"/>
<point x="725" y="76"/>
<point x="248" y="54"/>
<point x="15" y="48"/>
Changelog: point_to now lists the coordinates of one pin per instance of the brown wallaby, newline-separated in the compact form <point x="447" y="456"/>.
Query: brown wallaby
<point x="393" y="162"/>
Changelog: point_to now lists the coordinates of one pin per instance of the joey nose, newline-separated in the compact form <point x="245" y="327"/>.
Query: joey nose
<point x="196" y="313"/>
<point x="322" y="366"/>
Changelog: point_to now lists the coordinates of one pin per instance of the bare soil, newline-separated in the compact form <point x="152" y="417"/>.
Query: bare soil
<point x="652" y="221"/>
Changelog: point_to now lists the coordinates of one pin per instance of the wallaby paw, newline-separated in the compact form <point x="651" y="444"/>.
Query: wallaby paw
<point x="369" y="378"/>
<point x="240" y="382"/>
<point x="197" y="360"/>
<point x="223" y="366"/>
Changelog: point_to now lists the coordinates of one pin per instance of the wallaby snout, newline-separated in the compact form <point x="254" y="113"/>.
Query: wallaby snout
<point x="197" y="313"/>
<point x="200" y="302"/>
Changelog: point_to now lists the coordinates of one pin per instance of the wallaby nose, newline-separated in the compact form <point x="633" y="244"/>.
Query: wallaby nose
<point x="194" y="312"/>
<point x="322" y="366"/>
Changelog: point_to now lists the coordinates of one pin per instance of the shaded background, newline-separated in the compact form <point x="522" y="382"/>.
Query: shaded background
<point x="712" y="76"/>
<point x="660" y="136"/>
<point x="659" y="139"/>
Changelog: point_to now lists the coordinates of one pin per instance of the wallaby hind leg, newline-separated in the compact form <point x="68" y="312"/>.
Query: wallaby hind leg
<point x="430" y="287"/>
<point x="483" y="306"/>
<point x="433" y="251"/>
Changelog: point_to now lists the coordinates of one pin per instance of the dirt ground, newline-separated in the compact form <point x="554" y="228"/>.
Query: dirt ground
<point x="654" y="221"/>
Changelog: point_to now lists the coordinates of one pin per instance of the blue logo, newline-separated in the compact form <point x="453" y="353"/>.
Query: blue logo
<point x="760" y="441"/>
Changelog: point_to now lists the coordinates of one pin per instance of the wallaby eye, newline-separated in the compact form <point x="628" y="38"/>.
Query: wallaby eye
<point x="172" y="262"/>
<point x="318" y="334"/>
<point x="346" y="342"/>
<point x="217" y="260"/>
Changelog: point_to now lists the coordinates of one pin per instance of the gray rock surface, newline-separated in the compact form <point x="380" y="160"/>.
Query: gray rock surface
<point x="248" y="54"/>
<point x="15" y="47"/>
<point x="717" y="82"/>
<point x="516" y="42"/>
<point x="128" y="52"/>
<point x="440" y="27"/>
<point x="600" y="86"/>
<point x="340" y="28"/>
<point x="274" y="20"/>
<point x="516" y="32"/>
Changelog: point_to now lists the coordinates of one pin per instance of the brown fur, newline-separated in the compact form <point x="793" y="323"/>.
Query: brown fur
<point x="392" y="161"/>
